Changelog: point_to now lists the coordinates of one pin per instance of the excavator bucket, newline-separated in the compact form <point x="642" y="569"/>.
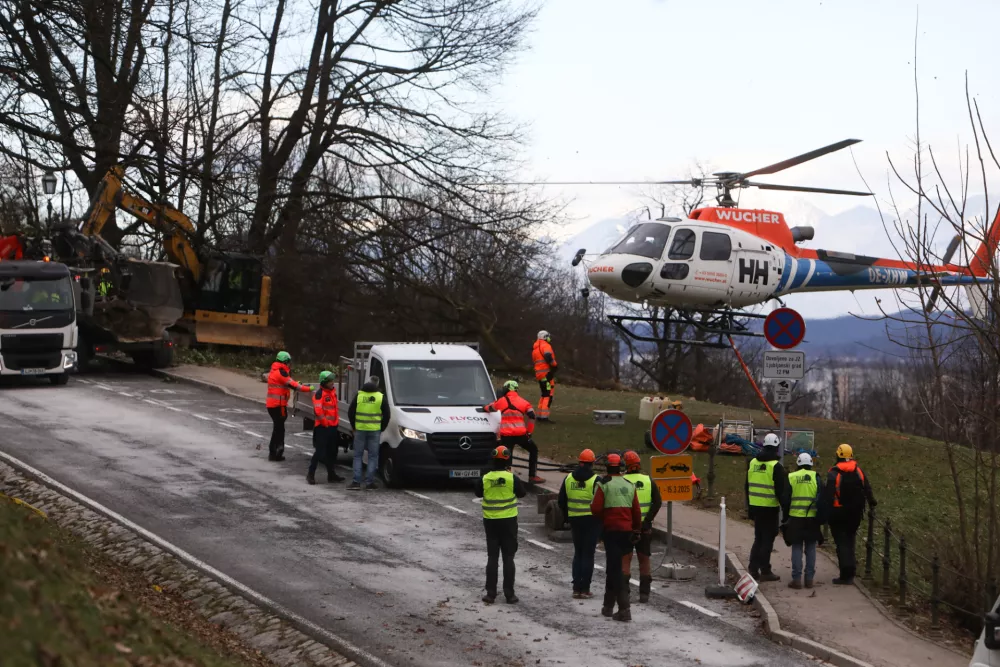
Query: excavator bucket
<point x="149" y="302"/>
<point x="233" y="333"/>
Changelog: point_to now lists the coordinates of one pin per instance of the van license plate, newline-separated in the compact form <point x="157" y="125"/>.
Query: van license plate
<point x="464" y="473"/>
<point x="32" y="371"/>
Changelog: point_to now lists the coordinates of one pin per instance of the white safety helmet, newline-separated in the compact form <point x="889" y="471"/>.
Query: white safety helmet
<point x="804" y="459"/>
<point x="543" y="335"/>
<point x="771" y="440"/>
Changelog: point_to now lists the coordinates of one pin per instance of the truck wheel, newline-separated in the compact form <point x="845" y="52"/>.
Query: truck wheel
<point x="60" y="379"/>
<point x="391" y="474"/>
<point x="162" y="356"/>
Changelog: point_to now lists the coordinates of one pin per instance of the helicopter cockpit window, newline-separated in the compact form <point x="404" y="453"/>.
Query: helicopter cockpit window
<point x="646" y="240"/>
<point x="682" y="247"/>
<point x="715" y="247"/>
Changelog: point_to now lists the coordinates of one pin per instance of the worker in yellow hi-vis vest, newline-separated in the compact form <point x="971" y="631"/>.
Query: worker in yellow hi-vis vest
<point x="765" y="489"/>
<point x="500" y="489"/>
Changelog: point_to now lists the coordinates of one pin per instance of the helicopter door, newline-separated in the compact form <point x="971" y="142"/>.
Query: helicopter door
<point x="675" y="271"/>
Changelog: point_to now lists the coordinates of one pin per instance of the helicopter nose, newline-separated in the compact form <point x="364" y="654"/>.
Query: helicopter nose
<point x="634" y="275"/>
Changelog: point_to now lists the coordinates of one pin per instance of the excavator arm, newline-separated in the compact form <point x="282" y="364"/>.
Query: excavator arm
<point x="177" y="228"/>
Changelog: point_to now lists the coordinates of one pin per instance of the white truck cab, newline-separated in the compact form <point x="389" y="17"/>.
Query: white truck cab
<point x="987" y="649"/>
<point x="436" y="393"/>
<point x="38" y="324"/>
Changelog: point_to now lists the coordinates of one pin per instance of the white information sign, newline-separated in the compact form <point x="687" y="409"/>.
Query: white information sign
<point x="784" y="365"/>
<point x="782" y="391"/>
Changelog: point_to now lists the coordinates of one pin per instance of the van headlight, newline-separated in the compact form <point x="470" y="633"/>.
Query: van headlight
<point x="69" y="360"/>
<point x="412" y="435"/>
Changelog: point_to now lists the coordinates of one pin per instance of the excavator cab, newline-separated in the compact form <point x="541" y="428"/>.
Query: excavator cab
<point x="232" y="284"/>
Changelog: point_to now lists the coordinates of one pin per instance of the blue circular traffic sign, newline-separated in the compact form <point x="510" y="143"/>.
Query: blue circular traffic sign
<point x="784" y="328"/>
<point x="671" y="432"/>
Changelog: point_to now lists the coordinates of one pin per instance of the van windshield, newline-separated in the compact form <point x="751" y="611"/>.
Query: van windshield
<point x="25" y="295"/>
<point x="440" y="383"/>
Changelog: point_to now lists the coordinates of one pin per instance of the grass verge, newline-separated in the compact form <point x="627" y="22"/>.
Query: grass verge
<point x="63" y="603"/>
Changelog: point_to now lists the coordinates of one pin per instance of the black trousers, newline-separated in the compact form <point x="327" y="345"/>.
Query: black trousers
<point x="765" y="529"/>
<point x="844" y="531"/>
<point x="586" y="531"/>
<point x="501" y="539"/>
<point x="616" y="589"/>
<point x="324" y="450"/>
<point x="276" y="448"/>
<point x="527" y="444"/>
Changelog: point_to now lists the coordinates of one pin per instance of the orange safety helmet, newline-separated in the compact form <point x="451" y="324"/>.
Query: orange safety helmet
<point x="614" y="460"/>
<point x="587" y="456"/>
<point x="632" y="460"/>
<point x="502" y="453"/>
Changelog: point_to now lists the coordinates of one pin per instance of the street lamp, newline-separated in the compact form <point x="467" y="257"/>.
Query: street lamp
<point x="49" y="187"/>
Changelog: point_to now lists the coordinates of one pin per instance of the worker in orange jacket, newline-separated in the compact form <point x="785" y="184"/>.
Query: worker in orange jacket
<point x="326" y="419"/>
<point x="544" y="359"/>
<point x="517" y="424"/>
<point x="279" y="386"/>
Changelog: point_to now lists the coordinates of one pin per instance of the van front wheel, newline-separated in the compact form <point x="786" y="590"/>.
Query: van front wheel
<point x="387" y="467"/>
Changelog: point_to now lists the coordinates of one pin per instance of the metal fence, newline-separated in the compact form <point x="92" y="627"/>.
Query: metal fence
<point x="914" y="580"/>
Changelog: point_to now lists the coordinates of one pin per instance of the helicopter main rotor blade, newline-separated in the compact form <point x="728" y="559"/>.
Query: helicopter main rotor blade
<point x="804" y="188"/>
<point x="805" y="157"/>
<point x="690" y="181"/>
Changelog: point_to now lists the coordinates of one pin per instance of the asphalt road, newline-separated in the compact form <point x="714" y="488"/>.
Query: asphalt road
<point x="399" y="573"/>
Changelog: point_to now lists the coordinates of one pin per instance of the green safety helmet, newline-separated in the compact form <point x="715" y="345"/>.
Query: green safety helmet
<point x="325" y="375"/>
<point x="284" y="357"/>
<point x="510" y="385"/>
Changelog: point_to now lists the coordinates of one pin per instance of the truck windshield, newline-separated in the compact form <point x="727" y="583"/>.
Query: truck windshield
<point x="440" y="383"/>
<point x="26" y="295"/>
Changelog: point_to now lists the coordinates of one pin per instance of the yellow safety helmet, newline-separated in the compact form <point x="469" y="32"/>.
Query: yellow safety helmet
<point x="845" y="451"/>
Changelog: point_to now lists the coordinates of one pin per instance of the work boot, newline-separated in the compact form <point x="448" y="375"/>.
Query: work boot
<point x="842" y="581"/>
<point x="624" y="593"/>
<point x="624" y="615"/>
<point x="577" y="595"/>
<point x="607" y="611"/>
<point x="353" y="486"/>
<point x="334" y="477"/>
<point x="311" y="478"/>
<point x="769" y="576"/>
<point x="645" y="583"/>
<point x="586" y="595"/>
<point x="489" y="599"/>
<point x="511" y="599"/>
<point x="809" y="583"/>
<point x="795" y="583"/>
<point x="370" y="486"/>
<point x="535" y="479"/>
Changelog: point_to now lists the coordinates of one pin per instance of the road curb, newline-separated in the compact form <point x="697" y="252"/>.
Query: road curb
<point x="129" y="543"/>
<point x="772" y="624"/>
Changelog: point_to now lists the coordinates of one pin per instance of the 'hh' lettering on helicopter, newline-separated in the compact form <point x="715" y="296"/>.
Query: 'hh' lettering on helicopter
<point x="752" y="271"/>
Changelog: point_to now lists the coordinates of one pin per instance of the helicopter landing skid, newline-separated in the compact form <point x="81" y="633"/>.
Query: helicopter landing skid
<point x="716" y="326"/>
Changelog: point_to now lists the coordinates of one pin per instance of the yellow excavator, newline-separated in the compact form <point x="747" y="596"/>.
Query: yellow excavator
<point x="226" y="296"/>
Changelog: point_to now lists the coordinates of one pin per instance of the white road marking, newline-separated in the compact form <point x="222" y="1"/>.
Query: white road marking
<point x="256" y="435"/>
<point x="707" y="612"/>
<point x="104" y="387"/>
<point x="520" y="530"/>
<point x="84" y="381"/>
<point x="542" y="545"/>
<point x="417" y="495"/>
<point x="337" y="641"/>
<point x="455" y="509"/>
<point x="203" y="417"/>
<point x="168" y="407"/>
<point x="633" y="582"/>
<point x="227" y="424"/>
<point x="152" y="402"/>
<point x="599" y="567"/>
<point x="125" y="393"/>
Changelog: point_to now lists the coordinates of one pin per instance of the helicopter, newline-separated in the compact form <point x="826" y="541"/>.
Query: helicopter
<point x="706" y="269"/>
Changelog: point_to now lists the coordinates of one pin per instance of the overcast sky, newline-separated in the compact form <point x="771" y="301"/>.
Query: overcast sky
<point x="640" y="89"/>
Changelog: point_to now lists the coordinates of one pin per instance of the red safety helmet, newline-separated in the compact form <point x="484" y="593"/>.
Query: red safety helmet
<point x="587" y="456"/>
<point x="502" y="453"/>
<point x="614" y="460"/>
<point x="632" y="460"/>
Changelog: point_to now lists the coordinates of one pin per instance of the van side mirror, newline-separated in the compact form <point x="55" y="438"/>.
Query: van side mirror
<point x="991" y="637"/>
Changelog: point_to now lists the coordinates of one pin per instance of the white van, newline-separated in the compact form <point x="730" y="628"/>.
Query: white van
<point x="436" y="393"/>
<point x="987" y="650"/>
